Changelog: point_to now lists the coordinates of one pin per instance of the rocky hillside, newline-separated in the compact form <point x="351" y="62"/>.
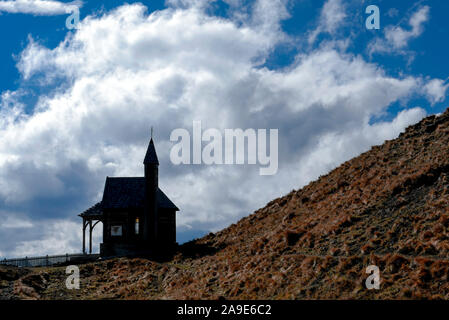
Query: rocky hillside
<point x="388" y="207"/>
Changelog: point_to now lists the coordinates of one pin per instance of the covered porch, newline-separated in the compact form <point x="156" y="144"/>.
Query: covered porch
<point x="91" y="217"/>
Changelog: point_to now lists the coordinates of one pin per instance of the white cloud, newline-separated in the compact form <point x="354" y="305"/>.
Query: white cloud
<point x="268" y="14"/>
<point x="58" y="237"/>
<point x="127" y="70"/>
<point x="11" y="109"/>
<point x="42" y="237"/>
<point x="332" y="16"/>
<point x="38" y="7"/>
<point x="339" y="147"/>
<point x="11" y="221"/>
<point x="392" y="12"/>
<point x="396" y="38"/>
<point x="436" y="90"/>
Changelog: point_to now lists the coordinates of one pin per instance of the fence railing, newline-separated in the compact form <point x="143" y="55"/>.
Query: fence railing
<point x="49" y="260"/>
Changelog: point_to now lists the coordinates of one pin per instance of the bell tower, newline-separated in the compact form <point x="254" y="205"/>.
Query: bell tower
<point x="150" y="218"/>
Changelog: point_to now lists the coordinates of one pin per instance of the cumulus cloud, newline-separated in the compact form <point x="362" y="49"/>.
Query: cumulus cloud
<point x="396" y="38"/>
<point x="435" y="90"/>
<point x="123" y="71"/>
<point x="38" y="7"/>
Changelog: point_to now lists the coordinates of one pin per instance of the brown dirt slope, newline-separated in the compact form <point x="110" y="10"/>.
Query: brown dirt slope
<point x="388" y="207"/>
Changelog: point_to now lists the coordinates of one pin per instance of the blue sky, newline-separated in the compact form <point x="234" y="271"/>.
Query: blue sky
<point x="76" y="104"/>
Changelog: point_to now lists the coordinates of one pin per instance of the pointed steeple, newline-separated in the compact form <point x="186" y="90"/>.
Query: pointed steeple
<point x="150" y="217"/>
<point x="151" y="156"/>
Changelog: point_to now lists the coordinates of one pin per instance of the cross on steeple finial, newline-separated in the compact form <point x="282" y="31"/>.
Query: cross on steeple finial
<point x="151" y="132"/>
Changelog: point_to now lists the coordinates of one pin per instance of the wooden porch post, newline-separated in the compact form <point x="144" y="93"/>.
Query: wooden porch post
<point x="90" y="236"/>
<point x="84" y="235"/>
